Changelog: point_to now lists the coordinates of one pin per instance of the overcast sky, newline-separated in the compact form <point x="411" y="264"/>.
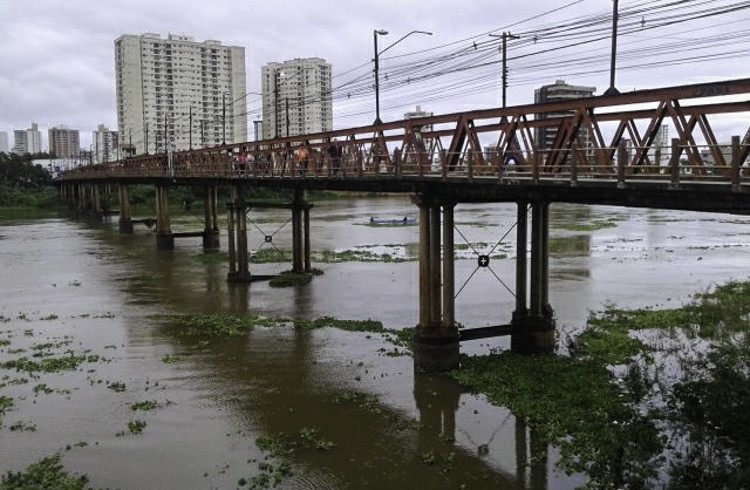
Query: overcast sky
<point x="57" y="56"/>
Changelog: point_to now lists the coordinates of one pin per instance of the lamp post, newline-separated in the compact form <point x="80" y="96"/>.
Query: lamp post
<point x="375" y="34"/>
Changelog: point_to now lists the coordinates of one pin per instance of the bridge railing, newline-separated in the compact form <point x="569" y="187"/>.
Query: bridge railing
<point x="616" y="138"/>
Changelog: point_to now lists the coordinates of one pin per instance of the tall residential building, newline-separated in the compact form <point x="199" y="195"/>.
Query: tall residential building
<point x="105" y="144"/>
<point x="662" y="145"/>
<point x="4" y="147"/>
<point x="176" y="93"/>
<point x="64" y="142"/>
<point x="296" y="97"/>
<point x="559" y="91"/>
<point x="27" y="140"/>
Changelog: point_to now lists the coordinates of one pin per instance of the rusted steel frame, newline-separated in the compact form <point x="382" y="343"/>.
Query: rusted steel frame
<point x="600" y="150"/>
<point x="685" y="131"/>
<point x="457" y="143"/>
<point x="566" y="133"/>
<point x="744" y="147"/>
<point x="713" y="145"/>
<point x="641" y="153"/>
<point x="379" y="151"/>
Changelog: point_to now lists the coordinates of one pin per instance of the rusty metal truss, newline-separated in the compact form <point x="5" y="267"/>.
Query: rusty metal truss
<point x="606" y="137"/>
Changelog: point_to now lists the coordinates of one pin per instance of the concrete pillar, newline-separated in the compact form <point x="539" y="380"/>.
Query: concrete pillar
<point x="231" y="240"/>
<point x="125" y="220"/>
<point x="424" y="265"/>
<point x="449" y="275"/>
<point x="435" y="341"/>
<point x="536" y="333"/>
<point x="210" y="221"/>
<point x="298" y="253"/>
<point x="243" y="267"/>
<point x="164" y="237"/>
<point x="306" y="220"/>
<point x="521" y="261"/>
<point x="435" y="276"/>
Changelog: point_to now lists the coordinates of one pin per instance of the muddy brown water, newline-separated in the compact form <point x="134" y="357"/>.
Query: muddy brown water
<point x="107" y="294"/>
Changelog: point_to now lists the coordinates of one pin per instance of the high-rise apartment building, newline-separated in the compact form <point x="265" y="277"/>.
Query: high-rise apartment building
<point x="64" y="142"/>
<point x="4" y="146"/>
<point x="27" y="140"/>
<point x="176" y="93"/>
<point x="559" y="91"/>
<point x="105" y="144"/>
<point x="296" y="97"/>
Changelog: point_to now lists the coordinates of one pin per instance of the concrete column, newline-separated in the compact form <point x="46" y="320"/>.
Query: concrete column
<point x="424" y="266"/>
<point x="435" y="300"/>
<point x="297" y="242"/>
<point x="435" y="343"/>
<point x="125" y="220"/>
<point x="231" y="240"/>
<point x="521" y="261"/>
<point x="535" y="334"/>
<point x="449" y="286"/>
<point x="96" y="204"/>
<point x="164" y="237"/>
<point x="243" y="267"/>
<point x="306" y="220"/>
<point x="210" y="225"/>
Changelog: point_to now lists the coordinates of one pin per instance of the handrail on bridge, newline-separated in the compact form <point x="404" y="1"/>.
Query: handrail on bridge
<point x="613" y="137"/>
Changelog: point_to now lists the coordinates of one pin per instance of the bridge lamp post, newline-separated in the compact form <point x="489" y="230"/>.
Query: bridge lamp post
<point x="375" y="34"/>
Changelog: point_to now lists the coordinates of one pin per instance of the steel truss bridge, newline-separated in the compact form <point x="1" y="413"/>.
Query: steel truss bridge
<point x="598" y="150"/>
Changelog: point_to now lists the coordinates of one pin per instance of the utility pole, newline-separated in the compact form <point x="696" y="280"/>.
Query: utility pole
<point x="145" y="137"/>
<point x="223" y="118"/>
<point x="286" y="100"/>
<point x="612" y="90"/>
<point x="190" y="134"/>
<point x="276" y="104"/>
<point x="504" y="76"/>
<point x="165" y="133"/>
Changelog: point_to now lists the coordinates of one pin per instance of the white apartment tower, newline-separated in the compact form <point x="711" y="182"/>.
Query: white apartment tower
<point x="27" y="140"/>
<point x="105" y="144"/>
<point x="296" y="97"/>
<point x="176" y="93"/>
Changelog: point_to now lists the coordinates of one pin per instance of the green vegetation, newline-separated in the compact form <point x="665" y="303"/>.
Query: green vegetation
<point x="219" y="325"/>
<point x="645" y="392"/>
<point x="47" y="474"/>
<point x="350" y="325"/>
<point x="594" y="225"/>
<point x="145" y="405"/>
<point x="24" y="184"/>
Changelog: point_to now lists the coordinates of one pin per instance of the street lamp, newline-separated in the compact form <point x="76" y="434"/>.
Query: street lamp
<point x="375" y="34"/>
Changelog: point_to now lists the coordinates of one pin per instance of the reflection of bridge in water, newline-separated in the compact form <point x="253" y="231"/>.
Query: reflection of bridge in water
<point x="605" y="151"/>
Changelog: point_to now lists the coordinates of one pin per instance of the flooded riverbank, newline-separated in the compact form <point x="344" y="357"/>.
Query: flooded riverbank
<point x="352" y="415"/>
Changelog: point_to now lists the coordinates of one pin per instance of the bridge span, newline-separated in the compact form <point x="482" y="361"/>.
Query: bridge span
<point x="598" y="150"/>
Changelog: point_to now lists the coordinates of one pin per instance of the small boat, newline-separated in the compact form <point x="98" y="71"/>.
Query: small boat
<point x="405" y="221"/>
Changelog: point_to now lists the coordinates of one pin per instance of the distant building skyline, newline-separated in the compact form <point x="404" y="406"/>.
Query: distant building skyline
<point x="4" y="145"/>
<point x="296" y="97"/>
<point x="27" y="140"/>
<point x="174" y="93"/>
<point x="64" y="142"/>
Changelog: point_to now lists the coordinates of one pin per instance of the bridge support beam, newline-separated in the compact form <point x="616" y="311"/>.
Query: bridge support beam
<point x="125" y="220"/>
<point x="239" y="267"/>
<point x="436" y="340"/>
<point x="533" y="326"/>
<point x="300" y="233"/>
<point x="164" y="237"/>
<point x="210" y="218"/>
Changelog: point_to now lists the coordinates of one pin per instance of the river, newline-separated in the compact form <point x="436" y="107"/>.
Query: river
<point x="82" y="287"/>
